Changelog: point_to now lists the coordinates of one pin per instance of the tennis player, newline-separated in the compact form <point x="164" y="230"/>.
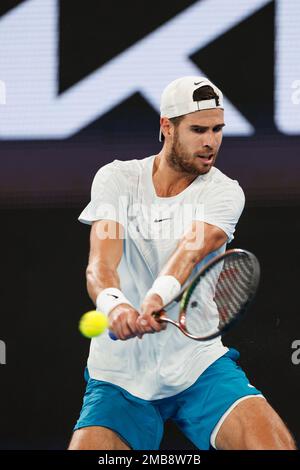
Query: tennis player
<point x="155" y="221"/>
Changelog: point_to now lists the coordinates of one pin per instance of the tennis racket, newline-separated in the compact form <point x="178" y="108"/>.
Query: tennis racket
<point x="217" y="296"/>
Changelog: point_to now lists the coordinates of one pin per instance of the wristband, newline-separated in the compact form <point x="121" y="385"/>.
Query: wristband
<point x="167" y="287"/>
<point x="110" y="298"/>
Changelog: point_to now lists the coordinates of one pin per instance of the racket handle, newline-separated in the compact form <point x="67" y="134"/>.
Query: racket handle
<point x="112" y="336"/>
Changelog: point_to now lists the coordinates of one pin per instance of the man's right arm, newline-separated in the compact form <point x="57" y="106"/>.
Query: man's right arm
<point x="101" y="273"/>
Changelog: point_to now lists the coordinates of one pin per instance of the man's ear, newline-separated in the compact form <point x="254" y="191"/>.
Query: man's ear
<point x="165" y="125"/>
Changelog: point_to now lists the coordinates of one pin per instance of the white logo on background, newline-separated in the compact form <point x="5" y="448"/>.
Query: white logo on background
<point x="287" y="65"/>
<point x="29" y="63"/>
<point x="296" y="93"/>
<point x="2" y="92"/>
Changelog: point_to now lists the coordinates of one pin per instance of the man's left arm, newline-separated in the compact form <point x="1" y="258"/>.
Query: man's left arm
<point x="197" y="242"/>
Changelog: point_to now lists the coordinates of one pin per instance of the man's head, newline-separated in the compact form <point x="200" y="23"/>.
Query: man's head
<point x="192" y="118"/>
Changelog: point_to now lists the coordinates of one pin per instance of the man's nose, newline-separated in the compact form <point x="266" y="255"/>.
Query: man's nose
<point x="209" y="140"/>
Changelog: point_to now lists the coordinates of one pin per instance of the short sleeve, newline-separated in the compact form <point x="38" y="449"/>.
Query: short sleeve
<point x="107" y="198"/>
<point x="222" y="206"/>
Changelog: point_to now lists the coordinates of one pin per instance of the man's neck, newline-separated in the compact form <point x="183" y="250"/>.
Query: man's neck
<point x="167" y="181"/>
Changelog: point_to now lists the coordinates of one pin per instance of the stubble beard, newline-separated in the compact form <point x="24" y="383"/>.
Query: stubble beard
<point x="182" y="162"/>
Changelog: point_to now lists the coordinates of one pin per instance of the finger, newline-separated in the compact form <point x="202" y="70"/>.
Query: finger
<point x="157" y="325"/>
<point x="139" y="329"/>
<point x="143" y="322"/>
<point x="145" y="328"/>
<point x="126" y="330"/>
<point x="131" y="322"/>
<point x="113" y="327"/>
<point x="130" y="328"/>
<point x="149" y="325"/>
<point x="153" y="323"/>
<point x="120" y="328"/>
<point x="163" y="324"/>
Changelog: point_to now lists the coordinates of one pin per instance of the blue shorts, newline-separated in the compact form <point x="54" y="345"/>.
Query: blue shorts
<point x="196" y="411"/>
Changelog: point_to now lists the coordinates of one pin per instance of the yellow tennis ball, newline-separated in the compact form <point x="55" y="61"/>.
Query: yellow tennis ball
<point x="93" y="323"/>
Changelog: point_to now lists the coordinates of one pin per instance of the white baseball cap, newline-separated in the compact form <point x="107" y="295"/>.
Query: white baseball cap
<point x="178" y="97"/>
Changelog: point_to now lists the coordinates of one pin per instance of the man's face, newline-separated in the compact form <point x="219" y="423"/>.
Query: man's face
<point x="195" y="141"/>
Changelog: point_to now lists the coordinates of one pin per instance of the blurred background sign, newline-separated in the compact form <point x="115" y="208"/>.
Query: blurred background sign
<point x="79" y="75"/>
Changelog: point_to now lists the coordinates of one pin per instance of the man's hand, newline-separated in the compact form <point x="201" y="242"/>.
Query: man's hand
<point x="146" y="322"/>
<point x="122" y="322"/>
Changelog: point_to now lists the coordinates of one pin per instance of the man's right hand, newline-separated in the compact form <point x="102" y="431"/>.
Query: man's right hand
<point x="122" y="322"/>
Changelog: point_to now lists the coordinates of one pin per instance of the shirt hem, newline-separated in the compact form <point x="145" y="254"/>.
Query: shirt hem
<point x="132" y="387"/>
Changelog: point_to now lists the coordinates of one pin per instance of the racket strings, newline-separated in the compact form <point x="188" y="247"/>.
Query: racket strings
<point x="220" y="295"/>
<point x="201" y="312"/>
<point x="233" y="287"/>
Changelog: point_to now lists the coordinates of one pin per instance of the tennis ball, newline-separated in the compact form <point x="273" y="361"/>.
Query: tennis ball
<point x="93" y="323"/>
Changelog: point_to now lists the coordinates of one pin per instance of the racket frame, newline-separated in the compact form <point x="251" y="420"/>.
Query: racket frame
<point x="181" y="323"/>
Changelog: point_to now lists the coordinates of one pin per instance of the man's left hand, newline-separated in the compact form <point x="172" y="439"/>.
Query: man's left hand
<point x="146" y="323"/>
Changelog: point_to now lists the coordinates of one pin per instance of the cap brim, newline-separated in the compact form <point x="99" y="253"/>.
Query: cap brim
<point x="160" y="137"/>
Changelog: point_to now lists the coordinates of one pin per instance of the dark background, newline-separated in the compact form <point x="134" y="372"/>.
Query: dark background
<point x="45" y="184"/>
<point x="43" y="258"/>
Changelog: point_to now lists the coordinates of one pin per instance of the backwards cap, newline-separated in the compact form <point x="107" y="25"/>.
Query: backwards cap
<point x="179" y="97"/>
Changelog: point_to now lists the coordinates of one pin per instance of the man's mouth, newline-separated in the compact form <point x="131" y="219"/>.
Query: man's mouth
<point x="206" y="158"/>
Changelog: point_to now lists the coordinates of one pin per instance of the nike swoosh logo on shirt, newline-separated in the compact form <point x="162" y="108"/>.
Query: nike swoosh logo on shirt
<point x="112" y="295"/>
<point x="160" y="220"/>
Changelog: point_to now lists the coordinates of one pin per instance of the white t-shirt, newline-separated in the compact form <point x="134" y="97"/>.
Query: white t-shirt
<point x="166" y="363"/>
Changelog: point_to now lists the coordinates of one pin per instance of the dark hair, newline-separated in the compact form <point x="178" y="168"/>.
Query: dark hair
<point x="205" y="92"/>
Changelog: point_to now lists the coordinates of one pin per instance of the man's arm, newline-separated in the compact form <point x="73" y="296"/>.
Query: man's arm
<point x="104" y="258"/>
<point x="200" y="240"/>
<point x="101" y="273"/>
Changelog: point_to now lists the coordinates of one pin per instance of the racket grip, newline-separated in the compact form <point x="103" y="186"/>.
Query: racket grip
<point x="112" y="336"/>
